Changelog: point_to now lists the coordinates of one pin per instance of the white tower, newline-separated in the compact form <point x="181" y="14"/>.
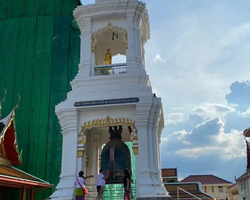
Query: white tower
<point x="107" y="94"/>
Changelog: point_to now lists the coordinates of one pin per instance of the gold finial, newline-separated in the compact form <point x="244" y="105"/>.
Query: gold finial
<point x="109" y="24"/>
<point x="3" y="100"/>
<point x="18" y="101"/>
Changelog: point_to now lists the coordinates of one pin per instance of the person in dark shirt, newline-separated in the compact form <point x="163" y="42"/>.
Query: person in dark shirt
<point x="127" y="184"/>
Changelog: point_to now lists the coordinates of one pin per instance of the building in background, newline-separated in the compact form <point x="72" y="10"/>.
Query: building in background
<point x="212" y="185"/>
<point x="185" y="191"/>
<point x="243" y="181"/>
<point x="233" y="193"/>
<point x="169" y="175"/>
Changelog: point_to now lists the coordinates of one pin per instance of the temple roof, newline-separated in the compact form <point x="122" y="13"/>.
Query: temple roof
<point x="8" y="141"/>
<point x="206" y="179"/>
<point x="12" y="175"/>
<point x="10" y="155"/>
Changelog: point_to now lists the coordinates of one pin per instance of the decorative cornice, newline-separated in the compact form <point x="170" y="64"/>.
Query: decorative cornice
<point x="84" y="24"/>
<point x="143" y="113"/>
<point x="105" y="123"/>
<point x="68" y="120"/>
<point x="99" y="10"/>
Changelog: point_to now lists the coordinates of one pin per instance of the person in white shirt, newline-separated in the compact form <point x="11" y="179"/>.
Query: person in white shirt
<point x="101" y="182"/>
<point x="80" y="183"/>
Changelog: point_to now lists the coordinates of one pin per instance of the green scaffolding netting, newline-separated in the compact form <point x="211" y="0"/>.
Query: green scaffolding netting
<point x="39" y="58"/>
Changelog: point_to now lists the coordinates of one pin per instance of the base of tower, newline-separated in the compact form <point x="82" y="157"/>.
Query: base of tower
<point x="154" y="198"/>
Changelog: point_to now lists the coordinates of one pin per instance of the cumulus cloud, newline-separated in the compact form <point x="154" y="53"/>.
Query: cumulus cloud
<point x="158" y="58"/>
<point x="203" y="55"/>
<point x="206" y="146"/>
<point x="213" y="110"/>
<point x="203" y="143"/>
<point x="239" y="95"/>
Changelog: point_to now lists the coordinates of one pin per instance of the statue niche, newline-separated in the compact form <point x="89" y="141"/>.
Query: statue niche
<point x="115" y="156"/>
<point x="107" y="60"/>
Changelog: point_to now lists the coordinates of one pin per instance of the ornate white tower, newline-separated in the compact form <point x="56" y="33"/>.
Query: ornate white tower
<point x="106" y="94"/>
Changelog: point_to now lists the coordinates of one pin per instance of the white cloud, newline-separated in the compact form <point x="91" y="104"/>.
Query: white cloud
<point x="158" y="58"/>
<point x="199" y="140"/>
<point x="245" y="114"/>
<point x="205" y="48"/>
<point x="227" y="146"/>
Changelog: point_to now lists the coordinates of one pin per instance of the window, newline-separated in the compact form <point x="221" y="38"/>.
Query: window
<point x="205" y="188"/>
<point x="220" y="189"/>
<point x="212" y="188"/>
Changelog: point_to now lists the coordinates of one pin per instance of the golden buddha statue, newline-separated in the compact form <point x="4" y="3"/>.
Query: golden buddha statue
<point x="107" y="60"/>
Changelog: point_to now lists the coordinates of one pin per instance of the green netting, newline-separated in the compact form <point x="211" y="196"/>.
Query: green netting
<point x="24" y="8"/>
<point x="65" y="60"/>
<point x="39" y="57"/>
<point x="116" y="192"/>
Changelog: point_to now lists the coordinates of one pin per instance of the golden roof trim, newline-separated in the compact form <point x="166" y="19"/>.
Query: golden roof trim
<point x="10" y="120"/>
<point x="105" y="123"/>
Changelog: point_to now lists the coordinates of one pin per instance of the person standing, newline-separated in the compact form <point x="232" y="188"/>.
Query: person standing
<point x="101" y="183"/>
<point x="127" y="184"/>
<point x="80" y="185"/>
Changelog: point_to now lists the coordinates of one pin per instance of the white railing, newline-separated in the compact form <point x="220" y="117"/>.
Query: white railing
<point x="101" y="70"/>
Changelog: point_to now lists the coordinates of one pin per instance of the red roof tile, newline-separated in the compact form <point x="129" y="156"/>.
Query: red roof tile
<point x="205" y="179"/>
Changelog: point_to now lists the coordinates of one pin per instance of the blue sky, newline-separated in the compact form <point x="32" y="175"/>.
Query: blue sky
<point x="198" y="62"/>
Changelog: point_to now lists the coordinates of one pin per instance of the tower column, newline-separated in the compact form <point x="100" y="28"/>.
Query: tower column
<point x="144" y="183"/>
<point x="66" y="186"/>
<point x="85" y="52"/>
<point x="147" y="168"/>
<point x="152" y="146"/>
<point x="94" y="156"/>
<point x="155" y="142"/>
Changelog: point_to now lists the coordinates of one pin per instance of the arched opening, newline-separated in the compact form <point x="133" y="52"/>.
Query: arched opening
<point x="109" y="46"/>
